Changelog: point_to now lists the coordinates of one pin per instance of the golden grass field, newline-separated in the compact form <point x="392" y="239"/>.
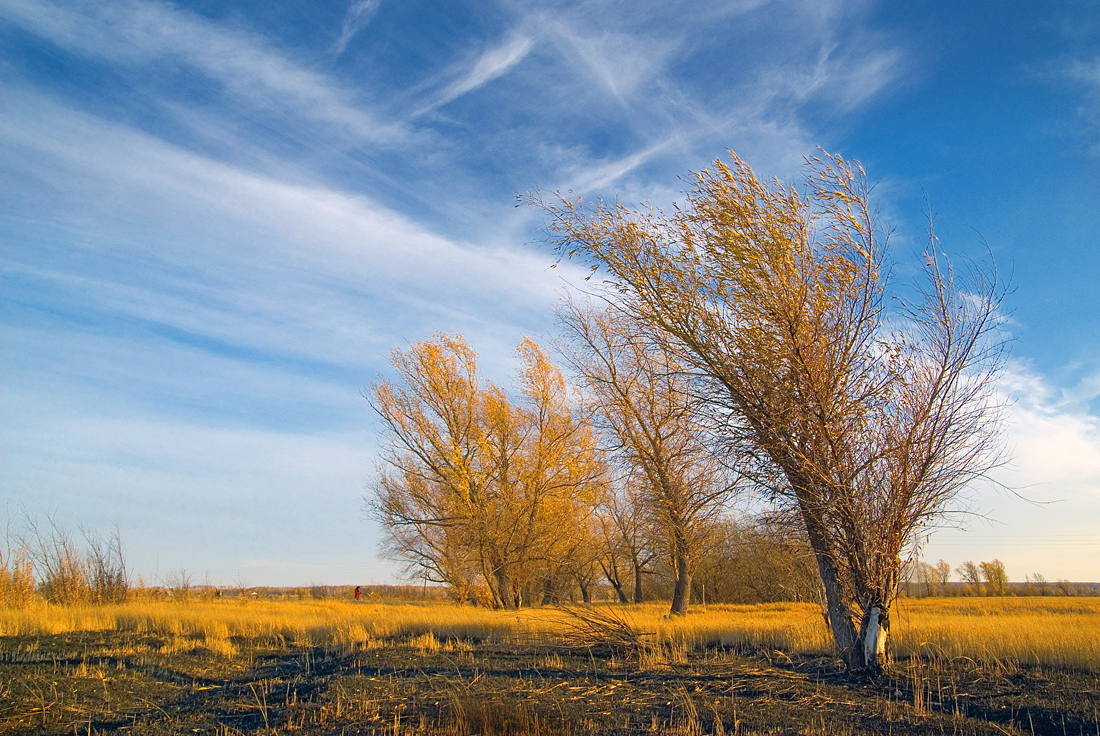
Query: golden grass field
<point x="1056" y="632"/>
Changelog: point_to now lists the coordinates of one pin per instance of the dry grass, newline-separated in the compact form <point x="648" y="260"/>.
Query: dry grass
<point x="1057" y="632"/>
<point x="1054" y="632"/>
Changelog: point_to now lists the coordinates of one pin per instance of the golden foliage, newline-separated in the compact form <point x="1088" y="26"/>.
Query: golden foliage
<point x="475" y="488"/>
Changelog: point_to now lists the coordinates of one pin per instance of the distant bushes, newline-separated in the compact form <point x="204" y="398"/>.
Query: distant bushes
<point x="65" y="569"/>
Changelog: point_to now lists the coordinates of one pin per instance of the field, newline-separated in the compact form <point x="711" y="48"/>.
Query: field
<point x="962" y="666"/>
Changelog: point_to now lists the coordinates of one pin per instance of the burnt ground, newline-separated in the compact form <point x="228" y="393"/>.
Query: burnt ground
<point x="124" y="683"/>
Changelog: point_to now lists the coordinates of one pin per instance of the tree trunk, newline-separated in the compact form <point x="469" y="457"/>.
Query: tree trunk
<point x="618" y="586"/>
<point x="548" y="596"/>
<point x="681" y="594"/>
<point x="840" y="614"/>
<point x="638" y="583"/>
<point x="611" y="572"/>
<point x="836" y="603"/>
<point x="504" y="590"/>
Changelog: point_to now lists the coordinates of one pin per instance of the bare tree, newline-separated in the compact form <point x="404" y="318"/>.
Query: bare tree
<point x="867" y="424"/>
<point x="651" y="421"/>
<point x="626" y="538"/>
<point x="971" y="576"/>
<point x="1038" y="584"/>
<point x="922" y="578"/>
<point x="105" y="566"/>
<point x="70" y="572"/>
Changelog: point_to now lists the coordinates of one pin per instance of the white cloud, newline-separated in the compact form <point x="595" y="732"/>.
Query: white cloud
<point x="620" y="63"/>
<point x="1057" y="444"/>
<point x="600" y="175"/>
<point x="1051" y="526"/>
<point x="357" y="17"/>
<point x="1087" y="389"/>
<point x="637" y="80"/>
<point x="1086" y="73"/>
<point x="490" y="65"/>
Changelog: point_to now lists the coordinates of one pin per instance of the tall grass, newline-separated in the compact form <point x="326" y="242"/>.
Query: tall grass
<point x="16" y="578"/>
<point x="1058" y="632"/>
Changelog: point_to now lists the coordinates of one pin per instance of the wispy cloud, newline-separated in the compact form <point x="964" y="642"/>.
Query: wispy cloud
<point x="619" y="63"/>
<point x="490" y="65"/>
<point x="135" y="32"/>
<point x="283" y="257"/>
<point x="636" y="81"/>
<point x="1087" y="389"/>
<point x="604" y="174"/>
<point x="1085" y="73"/>
<point x="357" y="17"/>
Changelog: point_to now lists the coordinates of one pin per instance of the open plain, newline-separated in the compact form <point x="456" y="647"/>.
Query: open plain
<point x="960" y="666"/>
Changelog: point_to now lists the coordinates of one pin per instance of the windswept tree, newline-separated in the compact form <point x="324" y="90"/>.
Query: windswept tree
<point x="652" y="423"/>
<point x="866" y="424"/>
<point x="474" y="488"/>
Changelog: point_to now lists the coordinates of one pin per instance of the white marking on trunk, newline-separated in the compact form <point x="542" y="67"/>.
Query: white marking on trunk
<point x="874" y="638"/>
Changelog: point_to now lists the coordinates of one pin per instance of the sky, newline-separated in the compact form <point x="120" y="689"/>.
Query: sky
<point x="217" y="219"/>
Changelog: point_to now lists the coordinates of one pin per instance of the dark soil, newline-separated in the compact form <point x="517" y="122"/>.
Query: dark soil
<point x="121" y="683"/>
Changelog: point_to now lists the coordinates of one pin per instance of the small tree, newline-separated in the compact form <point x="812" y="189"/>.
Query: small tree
<point x="943" y="575"/>
<point x="16" y="571"/>
<point x="995" y="577"/>
<point x="627" y="544"/>
<point x="1038" y="584"/>
<point x="925" y="577"/>
<point x="643" y="401"/>
<point x="473" y="486"/>
<point x="971" y="575"/>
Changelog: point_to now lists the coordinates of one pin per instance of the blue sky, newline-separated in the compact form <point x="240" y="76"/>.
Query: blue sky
<point x="217" y="218"/>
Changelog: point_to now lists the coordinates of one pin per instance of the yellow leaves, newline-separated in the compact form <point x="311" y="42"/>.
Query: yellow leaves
<point x="474" y="474"/>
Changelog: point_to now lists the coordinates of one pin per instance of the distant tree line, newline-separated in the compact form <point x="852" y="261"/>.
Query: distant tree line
<point x="982" y="579"/>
